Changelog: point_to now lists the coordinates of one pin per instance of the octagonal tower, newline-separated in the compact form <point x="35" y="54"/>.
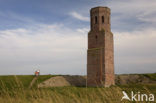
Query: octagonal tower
<point x="100" y="53"/>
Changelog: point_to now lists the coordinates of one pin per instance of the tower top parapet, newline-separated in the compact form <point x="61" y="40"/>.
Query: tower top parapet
<point x="100" y="18"/>
<point x="100" y="7"/>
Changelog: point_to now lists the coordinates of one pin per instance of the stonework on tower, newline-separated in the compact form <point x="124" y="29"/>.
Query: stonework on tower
<point x="100" y="53"/>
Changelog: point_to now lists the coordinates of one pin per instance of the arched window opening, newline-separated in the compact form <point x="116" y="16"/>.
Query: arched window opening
<point x="103" y="20"/>
<point x="96" y="38"/>
<point x="95" y="19"/>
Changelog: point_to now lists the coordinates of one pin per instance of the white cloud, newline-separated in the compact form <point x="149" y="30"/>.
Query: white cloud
<point x="144" y="10"/>
<point x="51" y="48"/>
<point x="79" y="16"/>
<point x="60" y="50"/>
<point x="148" y="17"/>
<point x="83" y="30"/>
<point x="135" y="51"/>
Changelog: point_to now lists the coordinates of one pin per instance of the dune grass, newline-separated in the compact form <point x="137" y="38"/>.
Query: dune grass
<point x="71" y="94"/>
<point x="14" y="89"/>
<point x="14" y="81"/>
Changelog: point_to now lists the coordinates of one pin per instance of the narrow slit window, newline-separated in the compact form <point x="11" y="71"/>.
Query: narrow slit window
<point x="95" y="19"/>
<point x="96" y="38"/>
<point x="102" y="19"/>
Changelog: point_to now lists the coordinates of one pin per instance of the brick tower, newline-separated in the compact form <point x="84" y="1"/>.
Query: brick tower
<point x="100" y="54"/>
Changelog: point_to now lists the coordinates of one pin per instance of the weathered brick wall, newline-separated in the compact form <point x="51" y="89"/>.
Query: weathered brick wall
<point x="109" y="59"/>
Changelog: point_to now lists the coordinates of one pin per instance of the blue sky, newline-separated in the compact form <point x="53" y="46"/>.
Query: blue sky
<point x="126" y="13"/>
<point x="51" y="35"/>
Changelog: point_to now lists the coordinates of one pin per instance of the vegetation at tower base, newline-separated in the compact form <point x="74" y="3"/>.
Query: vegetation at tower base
<point x="14" y="89"/>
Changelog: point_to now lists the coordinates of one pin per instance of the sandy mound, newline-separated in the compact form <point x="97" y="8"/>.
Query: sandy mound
<point x="57" y="81"/>
<point x="60" y="81"/>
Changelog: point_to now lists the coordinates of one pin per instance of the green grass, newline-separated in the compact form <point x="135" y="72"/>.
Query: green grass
<point x="73" y="94"/>
<point x="151" y="76"/>
<point x="14" y="89"/>
<point x="12" y="81"/>
<point x="16" y="81"/>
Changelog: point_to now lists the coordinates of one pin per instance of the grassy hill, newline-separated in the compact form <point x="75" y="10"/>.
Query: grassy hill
<point x="14" y="89"/>
<point x="16" y="81"/>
